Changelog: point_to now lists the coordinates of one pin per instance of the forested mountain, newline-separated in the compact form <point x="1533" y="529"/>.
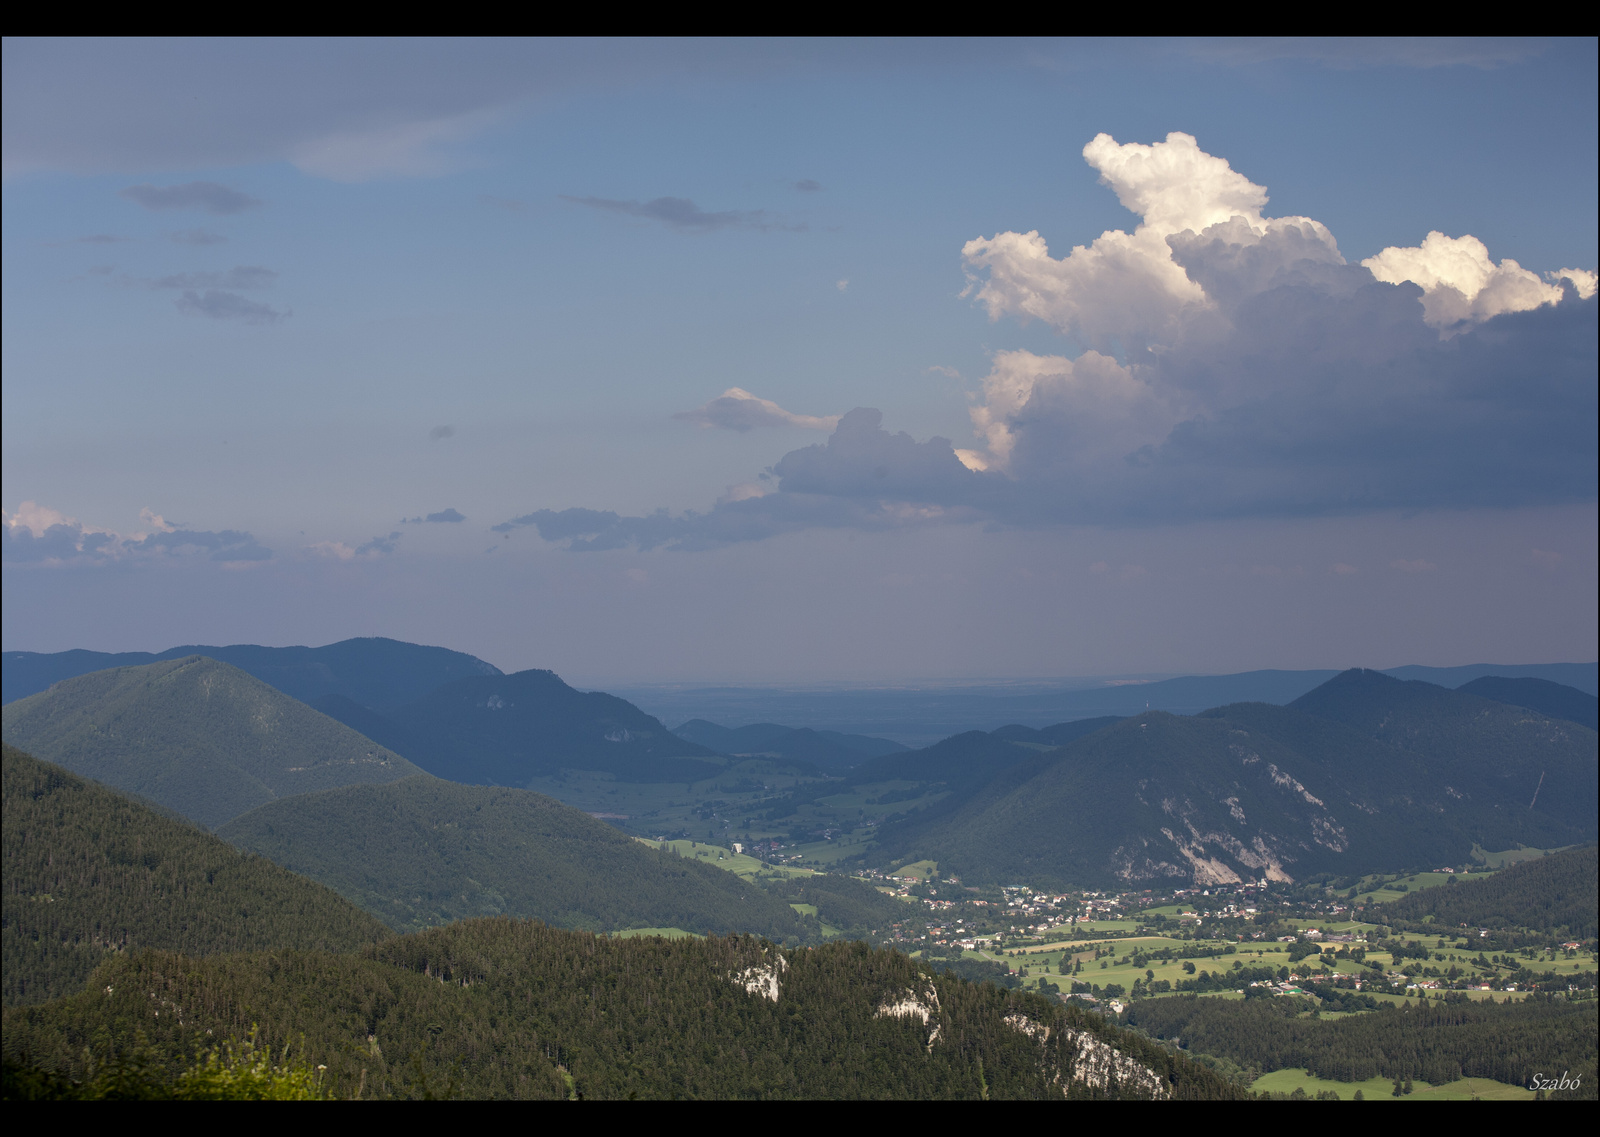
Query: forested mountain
<point x="1515" y="761"/>
<point x="1362" y="774"/>
<point x="1555" y="700"/>
<point x="422" y="852"/>
<point x="826" y="749"/>
<point x="1558" y="894"/>
<point x="1434" y="1042"/>
<point x="502" y="1008"/>
<point x="374" y="672"/>
<point x="196" y="735"/>
<point x="506" y="729"/>
<point x="89" y="872"/>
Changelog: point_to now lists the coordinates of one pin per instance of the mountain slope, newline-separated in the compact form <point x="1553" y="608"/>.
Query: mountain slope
<point x="421" y="852"/>
<point x="1388" y="773"/>
<point x="374" y="672"/>
<point x="1556" y="700"/>
<point x="508" y="1009"/>
<point x="506" y="729"/>
<point x="1555" y="894"/>
<point x="89" y="872"/>
<point x="196" y="735"/>
<point x="1510" y="759"/>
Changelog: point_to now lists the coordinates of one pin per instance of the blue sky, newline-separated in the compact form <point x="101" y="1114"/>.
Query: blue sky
<point x="270" y="306"/>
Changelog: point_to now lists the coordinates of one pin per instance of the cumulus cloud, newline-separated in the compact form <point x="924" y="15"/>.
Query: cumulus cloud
<point x="378" y="546"/>
<point x="210" y="197"/>
<point x="737" y="409"/>
<point x="685" y="216"/>
<point x="218" y="305"/>
<point x="41" y="535"/>
<point x="1227" y="364"/>
<point x="1460" y="282"/>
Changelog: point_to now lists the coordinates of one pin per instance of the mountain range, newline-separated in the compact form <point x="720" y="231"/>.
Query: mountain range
<point x="1363" y="772"/>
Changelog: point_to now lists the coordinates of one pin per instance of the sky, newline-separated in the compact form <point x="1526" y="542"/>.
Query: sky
<point x="805" y="361"/>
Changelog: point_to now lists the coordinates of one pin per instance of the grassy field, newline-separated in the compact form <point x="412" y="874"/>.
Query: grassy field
<point x="1382" y="1089"/>
<point x="1509" y="857"/>
<point x="664" y="933"/>
<point x="740" y="864"/>
<point x="917" y="870"/>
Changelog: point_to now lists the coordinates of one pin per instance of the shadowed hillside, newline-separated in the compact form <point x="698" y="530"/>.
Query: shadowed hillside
<point x="422" y="852"/>
<point x="196" y="735"/>
<point x="89" y="873"/>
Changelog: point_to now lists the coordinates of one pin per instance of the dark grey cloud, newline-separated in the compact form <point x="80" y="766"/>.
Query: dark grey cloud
<point x="445" y="431"/>
<point x="808" y="186"/>
<point x="223" y="545"/>
<point x="211" y="197"/>
<point x="196" y="237"/>
<point x="448" y="516"/>
<point x="69" y="541"/>
<point x="1325" y="394"/>
<point x="229" y="306"/>
<point x="381" y="546"/>
<point x="238" y="277"/>
<point x="684" y="215"/>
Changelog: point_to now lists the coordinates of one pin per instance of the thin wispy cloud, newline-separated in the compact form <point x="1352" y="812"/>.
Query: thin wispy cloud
<point x="806" y="185"/>
<point x="208" y="197"/>
<point x="215" y="305"/>
<point x="737" y="409"/>
<point x="239" y="277"/>
<point x="199" y="237"/>
<point x="685" y="216"/>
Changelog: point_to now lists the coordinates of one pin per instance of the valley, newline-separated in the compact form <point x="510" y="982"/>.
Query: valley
<point x="1353" y="857"/>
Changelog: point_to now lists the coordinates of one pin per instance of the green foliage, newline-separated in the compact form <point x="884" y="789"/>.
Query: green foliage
<point x="198" y="736"/>
<point x="512" y="1009"/>
<point x="234" y="1071"/>
<point x="89" y="872"/>
<point x="1431" y="1041"/>
<point x="843" y="902"/>
<point x="423" y="852"/>
<point x="1555" y="894"/>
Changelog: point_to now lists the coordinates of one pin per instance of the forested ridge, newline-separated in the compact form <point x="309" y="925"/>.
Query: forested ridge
<point x="89" y="872"/>
<point x="422" y="852"/>
<point x="1436" y="1042"/>
<point x="198" y="736"/>
<point x="1555" y="894"/>
<point x="505" y="1008"/>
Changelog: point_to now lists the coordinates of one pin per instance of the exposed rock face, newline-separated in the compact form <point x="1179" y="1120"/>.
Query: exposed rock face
<point x="1093" y="1063"/>
<point x="914" y="1005"/>
<point x="763" y="978"/>
<point x="1098" y="1065"/>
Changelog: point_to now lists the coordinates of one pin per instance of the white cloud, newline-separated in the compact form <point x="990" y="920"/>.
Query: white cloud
<point x="41" y="535"/>
<point x="737" y="409"/>
<point x="1100" y="408"/>
<point x="1460" y="282"/>
<point x="1127" y="288"/>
